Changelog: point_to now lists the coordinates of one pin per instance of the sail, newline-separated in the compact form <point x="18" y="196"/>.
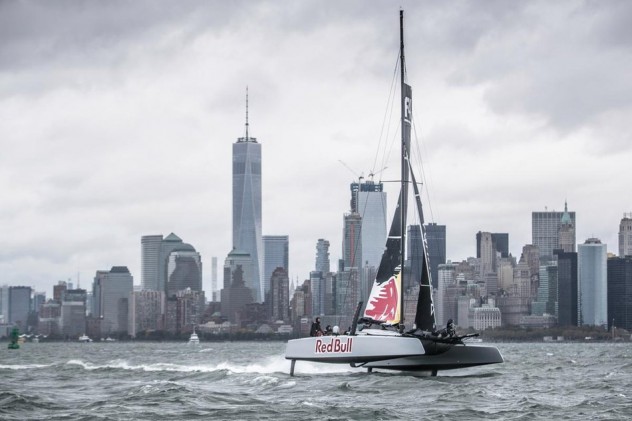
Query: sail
<point x="383" y="304"/>
<point x="425" y="316"/>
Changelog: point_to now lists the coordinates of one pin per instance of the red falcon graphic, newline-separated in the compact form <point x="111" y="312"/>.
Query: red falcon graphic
<point x="382" y="305"/>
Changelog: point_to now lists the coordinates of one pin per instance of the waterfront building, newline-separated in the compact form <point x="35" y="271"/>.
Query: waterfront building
<point x="301" y="304"/>
<point x="238" y="259"/>
<point x="347" y="293"/>
<point x="189" y="310"/>
<point x="247" y="228"/>
<point x="625" y="235"/>
<point x="150" y="258"/>
<point x="490" y="248"/>
<point x="486" y="316"/>
<point x="445" y="305"/>
<point x="414" y="256"/>
<point x="322" y="256"/>
<point x="39" y="298"/>
<point x="214" y="286"/>
<point x="19" y="306"/>
<point x="279" y="301"/>
<point x="49" y="318"/>
<point x="620" y="292"/>
<point x="237" y="291"/>
<point x="592" y="275"/>
<point x="352" y="240"/>
<point x="275" y="255"/>
<point x="73" y="313"/>
<point x="546" y="301"/>
<point x="317" y="284"/>
<point x="174" y="244"/>
<point x="4" y="304"/>
<point x="545" y="230"/>
<point x="111" y="291"/>
<point x="156" y="258"/>
<point x="505" y="271"/>
<point x="436" y="238"/>
<point x="567" y="288"/>
<point x="58" y="290"/>
<point x="146" y="312"/>
<point x="567" y="232"/>
<point x="184" y="270"/>
<point x="370" y="205"/>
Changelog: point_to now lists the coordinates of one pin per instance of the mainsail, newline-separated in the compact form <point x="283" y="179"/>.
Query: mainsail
<point x="384" y="302"/>
<point x="424" y="317"/>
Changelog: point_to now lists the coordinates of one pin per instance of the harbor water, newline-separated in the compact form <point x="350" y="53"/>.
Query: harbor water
<point x="251" y="381"/>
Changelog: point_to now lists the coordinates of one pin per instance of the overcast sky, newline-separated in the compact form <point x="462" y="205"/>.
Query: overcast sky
<point x="117" y="120"/>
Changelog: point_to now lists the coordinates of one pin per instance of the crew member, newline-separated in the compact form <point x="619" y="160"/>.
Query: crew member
<point x="316" y="330"/>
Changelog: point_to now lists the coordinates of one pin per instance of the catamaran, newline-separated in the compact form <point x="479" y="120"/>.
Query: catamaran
<point x="379" y="339"/>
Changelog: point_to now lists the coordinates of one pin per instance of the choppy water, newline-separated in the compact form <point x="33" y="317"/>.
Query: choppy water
<point x="250" y="380"/>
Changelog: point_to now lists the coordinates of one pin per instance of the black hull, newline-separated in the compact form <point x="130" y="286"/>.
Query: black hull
<point x="451" y="358"/>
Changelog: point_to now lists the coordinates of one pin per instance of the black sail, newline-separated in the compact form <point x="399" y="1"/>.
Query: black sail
<point x="425" y="315"/>
<point x="383" y="303"/>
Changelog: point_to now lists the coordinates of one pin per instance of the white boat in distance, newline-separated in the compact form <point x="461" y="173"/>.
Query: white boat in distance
<point x="194" y="339"/>
<point x="84" y="338"/>
<point x="380" y="339"/>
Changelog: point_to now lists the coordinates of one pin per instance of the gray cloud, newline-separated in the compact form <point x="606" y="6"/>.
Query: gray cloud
<point x="118" y="119"/>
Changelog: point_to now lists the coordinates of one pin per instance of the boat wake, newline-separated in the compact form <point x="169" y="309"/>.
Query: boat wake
<point x="271" y="365"/>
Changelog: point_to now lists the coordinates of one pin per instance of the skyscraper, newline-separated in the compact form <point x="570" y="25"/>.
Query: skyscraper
<point x="317" y="284"/>
<point x="592" y="274"/>
<point x="112" y="291"/>
<point x="237" y="293"/>
<point x="158" y="264"/>
<point x="436" y="237"/>
<point x="545" y="230"/>
<point x="546" y="302"/>
<point x="445" y="304"/>
<point x="275" y="255"/>
<point x="486" y="251"/>
<point x="4" y="304"/>
<point x="247" y="204"/>
<point x="369" y="201"/>
<point x="566" y="288"/>
<point x="352" y="240"/>
<point x="625" y="236"/>
<point x="73" y="313"/>
<point x="19" y="305"/>
<point x="150" y="256"/>
<point x="499" y="242"/>
<point x="567" y="232"/>
<point x="414" y="251"/>
<point x="279" y="295"/>
<point x="322" y="256"/>
<point x="620" y="292"/>
<point x="184" y="270"/>
<point x="146" y="311"/>
<point x="214" y="287"/>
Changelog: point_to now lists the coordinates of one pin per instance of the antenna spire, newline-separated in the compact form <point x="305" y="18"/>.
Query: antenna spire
<point x="247" y="137"/>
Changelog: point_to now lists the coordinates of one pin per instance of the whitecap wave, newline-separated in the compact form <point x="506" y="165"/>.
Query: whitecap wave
<point x="23" y="366"/>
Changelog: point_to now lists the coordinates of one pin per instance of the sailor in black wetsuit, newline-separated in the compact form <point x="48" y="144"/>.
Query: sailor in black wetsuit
<point x="316" y="330"/>
<point x="448" y="332"/>
<point x="449" y="329"/>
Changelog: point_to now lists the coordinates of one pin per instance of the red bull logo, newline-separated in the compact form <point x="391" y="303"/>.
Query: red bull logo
<point x="383" y="302"/>
<point x="334" y="346"/>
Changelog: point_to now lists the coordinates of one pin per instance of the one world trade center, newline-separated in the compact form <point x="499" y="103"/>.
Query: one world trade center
<point x="247" y="205"/>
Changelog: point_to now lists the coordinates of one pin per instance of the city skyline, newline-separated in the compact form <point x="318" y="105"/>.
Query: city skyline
<point x="119" y="123"/>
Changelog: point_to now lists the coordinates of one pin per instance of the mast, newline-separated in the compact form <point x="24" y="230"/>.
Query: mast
<point x="404" y="169"/>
